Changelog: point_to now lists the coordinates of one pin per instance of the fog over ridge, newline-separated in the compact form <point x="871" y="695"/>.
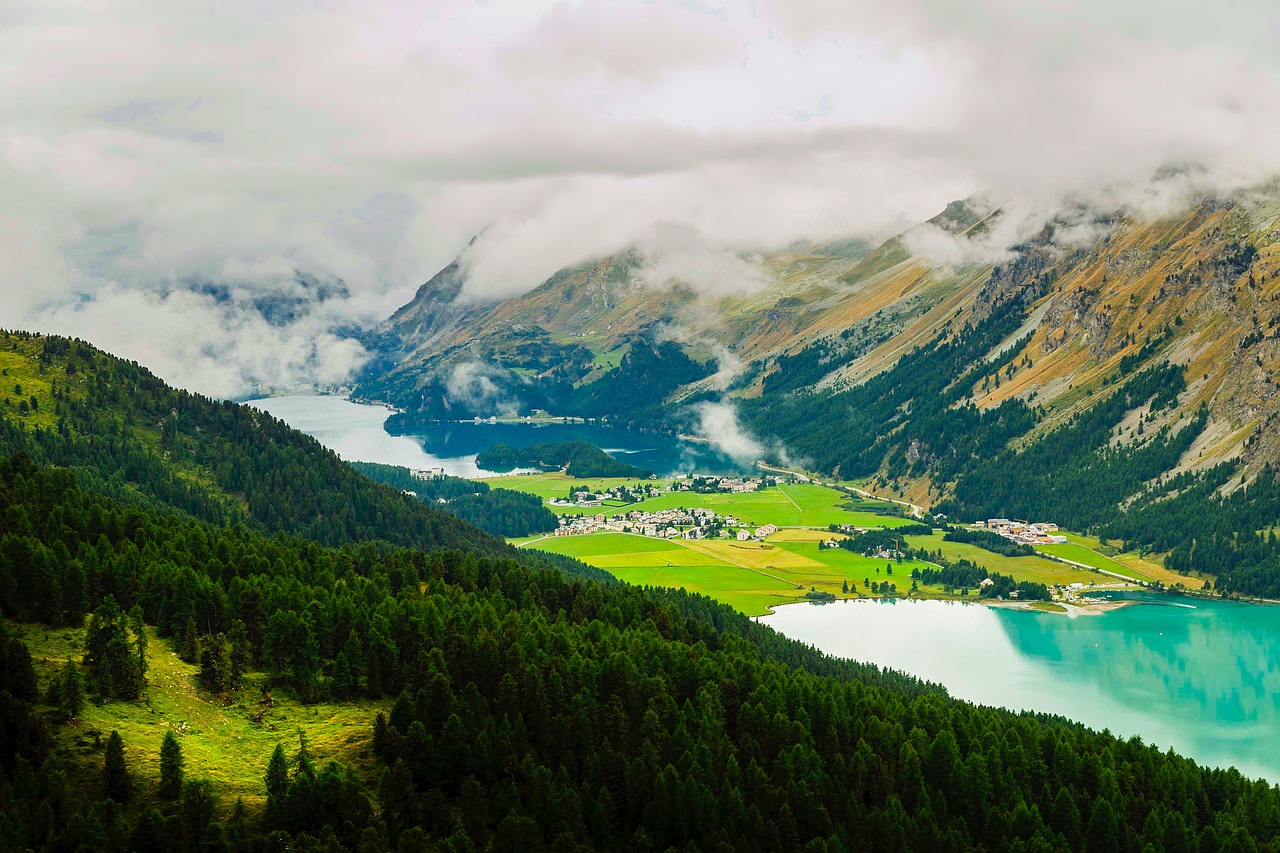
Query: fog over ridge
<point x="171" y="170"/>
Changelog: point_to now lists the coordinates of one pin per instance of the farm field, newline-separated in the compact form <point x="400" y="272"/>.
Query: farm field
<point x="556" y="485"/>
<point x="1081" y="554"/>
<point x="1037" y="569"/>
<point x="1139" y="566"/>
<point x="220" y="741"/>
<point x="750" y="576"/>
<point x="800" y="505"/>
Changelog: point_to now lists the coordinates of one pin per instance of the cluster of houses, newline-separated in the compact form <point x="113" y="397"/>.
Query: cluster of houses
<point x="624" y="494"/>
<point x="1029" y="533"/>
<point x="695" y="523"/>
<point x="726" y="485"/>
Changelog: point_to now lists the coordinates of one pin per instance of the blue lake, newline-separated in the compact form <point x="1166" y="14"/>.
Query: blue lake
<point x="1201" y="676"/>
<point x="356" y="433"/>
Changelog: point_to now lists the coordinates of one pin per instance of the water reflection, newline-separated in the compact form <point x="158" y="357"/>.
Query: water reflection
<point x="1205" y="681"/>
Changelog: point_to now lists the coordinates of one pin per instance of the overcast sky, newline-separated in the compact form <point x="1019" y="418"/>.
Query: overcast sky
<point x="147" y="147"/>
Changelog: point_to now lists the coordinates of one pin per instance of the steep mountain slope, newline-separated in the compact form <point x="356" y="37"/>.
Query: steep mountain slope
<point x="1092" y="290"/>
<point x="128" y="436"/>
<point x="1136" y="357"/>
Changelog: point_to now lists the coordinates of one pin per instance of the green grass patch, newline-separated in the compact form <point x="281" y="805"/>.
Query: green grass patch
<point x="800" y="505"/>
<point x="1036" y="569"/>
<point x="219" y="739"/>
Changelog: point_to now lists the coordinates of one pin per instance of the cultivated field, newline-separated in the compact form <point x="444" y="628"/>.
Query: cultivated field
<point x="800" y="505"/>
<point x="750" y="576"/>
<point x="1036" y="569"/>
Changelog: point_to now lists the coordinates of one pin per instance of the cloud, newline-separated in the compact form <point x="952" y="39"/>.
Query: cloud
<point x="226" y="350"/>
<point x="474" y="384"/>
<point x="718" y="424"/>
<point x="150" y="149"/>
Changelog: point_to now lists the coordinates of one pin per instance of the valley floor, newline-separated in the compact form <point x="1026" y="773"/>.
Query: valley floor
<point x="788" y="565"/>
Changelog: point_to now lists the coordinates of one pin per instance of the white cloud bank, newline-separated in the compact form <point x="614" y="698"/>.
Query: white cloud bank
<point x="147" y="146"/>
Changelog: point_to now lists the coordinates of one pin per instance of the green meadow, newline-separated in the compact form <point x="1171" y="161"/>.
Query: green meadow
<point x="799" y="505"/>
<point x="750" y="576"/>
<point x="219" y="739"/>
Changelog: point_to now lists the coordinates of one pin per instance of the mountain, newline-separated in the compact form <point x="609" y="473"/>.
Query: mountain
<point x="501" y="703"/>
<point x="1110" y="372"/>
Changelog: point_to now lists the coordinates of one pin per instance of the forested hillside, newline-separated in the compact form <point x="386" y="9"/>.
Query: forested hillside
<point x="502" y="512"/>
<point x="534" y="709"/>
<point x="127" y="435"/>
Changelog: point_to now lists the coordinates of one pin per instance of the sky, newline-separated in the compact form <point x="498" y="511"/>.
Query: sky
<point x="180" y="180"/>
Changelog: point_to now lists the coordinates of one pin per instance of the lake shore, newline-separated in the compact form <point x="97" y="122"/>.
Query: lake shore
<point x="1063" y="607"/>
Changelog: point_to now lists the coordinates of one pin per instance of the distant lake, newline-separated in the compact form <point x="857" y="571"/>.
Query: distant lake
<point x="1201" y="676"/>
<point x="355" y="432"/>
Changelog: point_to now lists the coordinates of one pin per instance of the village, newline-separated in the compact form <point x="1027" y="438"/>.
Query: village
<point x="1034" y="533"/>
<point x="694" y="523"/>
<point x="580" y="496"/>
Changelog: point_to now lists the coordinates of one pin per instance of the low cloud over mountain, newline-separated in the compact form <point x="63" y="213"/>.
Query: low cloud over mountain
<point x="177" y="165"/>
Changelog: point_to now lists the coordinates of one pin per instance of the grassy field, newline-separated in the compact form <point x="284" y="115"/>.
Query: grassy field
<point x="220" y="741"/>
<point x="18" y="370"/>
<point x="800" y="505"/>
<point x="1081" y="554"/>
<point x="556" y="485"/>
<point x="750" y="576"/>
<point x="1036" y="569"/>
<point x="1136" y="565"/>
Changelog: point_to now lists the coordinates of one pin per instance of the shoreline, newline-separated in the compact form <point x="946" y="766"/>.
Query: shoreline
<point x="1068" y="609"/>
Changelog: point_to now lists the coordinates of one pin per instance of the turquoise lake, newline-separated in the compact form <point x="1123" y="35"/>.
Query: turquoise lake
<point x="1201" y="676"/>
<point x="356" y="433"/>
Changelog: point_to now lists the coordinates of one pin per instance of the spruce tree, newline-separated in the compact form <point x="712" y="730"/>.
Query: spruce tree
<point x="190" y="642"/>
<point x="70" y="690"/>
<point x="171" y="763"/>
<point x="277" y="780"/>
<point x="139" y="639"/>
<point x="115" y="774"/>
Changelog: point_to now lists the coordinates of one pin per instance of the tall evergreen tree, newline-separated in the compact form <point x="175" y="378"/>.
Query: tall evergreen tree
<point x="116" y="783"/>
<point x="171" y="766"/>
<point x="277" y="782"/>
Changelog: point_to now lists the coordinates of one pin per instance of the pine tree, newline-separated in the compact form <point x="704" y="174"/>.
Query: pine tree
<point x="139" y="639"/>
<point x="70" y="690"/>
<point x="109" y="656"/>
<point x="115" y="774"/>
<point x="190" y="642"/>
<point x="241" y="651"/>
<point x="304" y="767"/>
<point x="277" y="780"/>
<point x="171" y="763"/>
<point x="1103" y="832"/>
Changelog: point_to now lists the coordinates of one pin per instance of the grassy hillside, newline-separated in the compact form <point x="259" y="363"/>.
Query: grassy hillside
<point x="219" y="737"/>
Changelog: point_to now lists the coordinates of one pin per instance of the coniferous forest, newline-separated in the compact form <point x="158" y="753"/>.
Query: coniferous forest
<point x="522" y="705"/>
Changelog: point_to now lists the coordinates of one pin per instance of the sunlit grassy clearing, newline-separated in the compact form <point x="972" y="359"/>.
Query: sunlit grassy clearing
<point x="219" y="740"/>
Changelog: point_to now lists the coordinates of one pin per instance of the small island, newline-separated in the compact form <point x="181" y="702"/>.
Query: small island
<point x="575" y="458"/>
